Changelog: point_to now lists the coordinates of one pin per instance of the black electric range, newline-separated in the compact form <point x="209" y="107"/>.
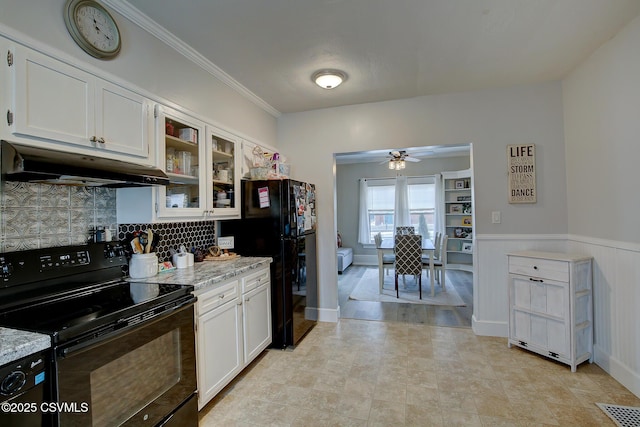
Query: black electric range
<point x="122" y="354"/>
<point x="77" y="292"/>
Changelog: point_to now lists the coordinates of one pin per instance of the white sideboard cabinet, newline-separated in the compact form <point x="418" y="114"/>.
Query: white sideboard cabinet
<point x="551" y="305"/>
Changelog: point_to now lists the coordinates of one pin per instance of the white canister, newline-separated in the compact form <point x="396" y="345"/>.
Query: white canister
<point x="223" y="175"/>
<point x="143" y="265"/>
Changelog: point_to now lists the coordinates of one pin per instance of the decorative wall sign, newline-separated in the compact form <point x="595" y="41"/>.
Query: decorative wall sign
<point x="521" y="161"/>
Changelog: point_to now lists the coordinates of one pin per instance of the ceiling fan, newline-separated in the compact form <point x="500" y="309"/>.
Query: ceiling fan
<point x="397" y="159"/>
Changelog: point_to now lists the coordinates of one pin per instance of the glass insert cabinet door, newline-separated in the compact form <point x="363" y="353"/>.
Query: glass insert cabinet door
<point x="181" y="154"/>
<point x="224" y="154"/>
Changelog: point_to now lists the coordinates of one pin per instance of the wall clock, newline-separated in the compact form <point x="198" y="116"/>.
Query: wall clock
<point x="92" y="28"/>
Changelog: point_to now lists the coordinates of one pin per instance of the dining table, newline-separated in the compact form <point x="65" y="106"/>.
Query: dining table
<point x="387" y="247"/>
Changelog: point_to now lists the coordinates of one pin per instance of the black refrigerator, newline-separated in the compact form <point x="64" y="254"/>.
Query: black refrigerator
<point x="279" y="220"/>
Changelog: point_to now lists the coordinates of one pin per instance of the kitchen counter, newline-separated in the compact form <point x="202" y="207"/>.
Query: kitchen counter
<point x="17" y="344"/>
<point x="207" y="274"/>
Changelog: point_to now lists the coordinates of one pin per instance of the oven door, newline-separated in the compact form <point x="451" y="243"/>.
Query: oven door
<point x="138" y="377"/>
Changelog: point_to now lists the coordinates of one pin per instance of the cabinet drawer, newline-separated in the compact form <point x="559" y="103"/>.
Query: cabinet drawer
<point x="216" y="297"/>
<point x="254" y="280"/>
<point x="542" y="268"/>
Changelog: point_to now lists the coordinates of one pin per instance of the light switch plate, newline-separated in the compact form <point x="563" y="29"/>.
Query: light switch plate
<point x="225" y="242"/>
<point x="495" y="217"/>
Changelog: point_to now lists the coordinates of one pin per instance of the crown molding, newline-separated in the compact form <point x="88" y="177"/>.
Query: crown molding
<point x="125" y="9"/>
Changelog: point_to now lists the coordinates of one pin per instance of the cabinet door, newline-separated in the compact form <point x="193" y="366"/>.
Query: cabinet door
<point x="545" y="297"/>
<point x="257" y="321"/>
<point x="182" y="155"/>
<point x="223" y="174"/>
<point x="219" y="349"/>
<point x="52" y="100"/>
<point x="122" y="120"/>
<point x="539" y="314"/>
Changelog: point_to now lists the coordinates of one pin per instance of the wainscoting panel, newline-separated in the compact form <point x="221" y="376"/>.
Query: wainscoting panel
<point x="616" y="283"/>
<point x="490" y="278"/>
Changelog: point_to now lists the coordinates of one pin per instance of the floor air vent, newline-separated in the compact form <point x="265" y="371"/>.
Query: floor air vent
<point x="623" y="416"/>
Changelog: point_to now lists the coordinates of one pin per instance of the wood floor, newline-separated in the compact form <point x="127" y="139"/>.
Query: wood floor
<point x="405" y="312"/>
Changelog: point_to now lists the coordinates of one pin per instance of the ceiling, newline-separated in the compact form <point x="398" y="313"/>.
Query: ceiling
<point x="377" y="156"/>
<point x="390" y="49"/>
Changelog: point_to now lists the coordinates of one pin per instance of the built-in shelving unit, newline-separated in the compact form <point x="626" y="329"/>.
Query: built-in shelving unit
<point x="458" y="207"/>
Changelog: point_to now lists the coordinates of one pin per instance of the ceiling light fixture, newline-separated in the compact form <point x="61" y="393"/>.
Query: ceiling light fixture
<point x="397" y="164"/>
<point x="329" y="79"/>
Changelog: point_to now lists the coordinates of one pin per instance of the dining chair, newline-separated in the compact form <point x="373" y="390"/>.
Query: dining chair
<point x="436" y="251"/>
<point x="408" y="251"/>
<point x="405" y="229"/>
<point x="440" y="264"/>
<point x="387" y="259"/>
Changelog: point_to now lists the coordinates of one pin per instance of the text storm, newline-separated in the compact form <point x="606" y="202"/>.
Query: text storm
<point x="522" y="173"/>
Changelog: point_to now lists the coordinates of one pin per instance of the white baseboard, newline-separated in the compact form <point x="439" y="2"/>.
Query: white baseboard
<point x="489" y="328"/>
<point x="617" y="370"/>
<point x="322" y="314"/>
<point x="365" y="259"/>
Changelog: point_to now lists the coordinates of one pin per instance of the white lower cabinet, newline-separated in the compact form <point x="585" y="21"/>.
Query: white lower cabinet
<point x="219" y="353"/>
<point x="256" y="301"/>
<point x="550" y="305"/>
<point x="233" y="326"/>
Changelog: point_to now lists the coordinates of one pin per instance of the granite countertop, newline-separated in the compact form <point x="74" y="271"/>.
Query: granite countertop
<point x="17" y="344"/>
<point x="207" y="274"/>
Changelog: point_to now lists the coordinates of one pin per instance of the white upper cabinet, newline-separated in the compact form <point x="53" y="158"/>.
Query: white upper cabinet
<point x="63" y="104"/>
<point x="203" y="164"/>
<point x="123" y="120"/>
<point x="223" y="174"/>
<point x="182" y="154"/>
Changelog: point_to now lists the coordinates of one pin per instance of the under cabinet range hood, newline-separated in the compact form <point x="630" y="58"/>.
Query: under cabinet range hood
<point x="35" y="164"/>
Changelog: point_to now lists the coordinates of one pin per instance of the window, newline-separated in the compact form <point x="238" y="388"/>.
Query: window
<point x="381" y="202"/>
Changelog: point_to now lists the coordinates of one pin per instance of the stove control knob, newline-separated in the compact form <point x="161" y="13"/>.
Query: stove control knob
<point x="13" y="382"/>
<point x="5" y="269"/>
<point x="109" y="252"/>
<point x="119" y="250"/>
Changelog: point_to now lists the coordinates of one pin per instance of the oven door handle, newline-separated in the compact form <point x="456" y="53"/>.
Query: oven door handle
<point x="123" y="325"/>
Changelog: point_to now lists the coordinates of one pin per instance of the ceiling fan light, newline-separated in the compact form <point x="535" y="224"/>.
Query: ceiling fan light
<point x="329" y="79"/>
<point x="391" y="164"/>
<point x="402" y="164"/>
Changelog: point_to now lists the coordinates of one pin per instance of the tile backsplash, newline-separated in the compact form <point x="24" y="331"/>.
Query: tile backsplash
<point x="36" y="216"/>
<point x="198" y="234"/>
<point x="43" y="215"/>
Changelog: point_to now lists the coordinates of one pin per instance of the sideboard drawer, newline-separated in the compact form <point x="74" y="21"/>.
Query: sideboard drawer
<point x="541" y="268"/>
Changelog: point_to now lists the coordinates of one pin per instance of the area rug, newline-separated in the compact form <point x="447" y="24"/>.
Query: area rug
<point x="367" y="290"/>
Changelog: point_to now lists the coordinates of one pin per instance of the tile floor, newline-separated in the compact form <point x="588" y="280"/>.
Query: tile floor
<point x="401" y="373"/>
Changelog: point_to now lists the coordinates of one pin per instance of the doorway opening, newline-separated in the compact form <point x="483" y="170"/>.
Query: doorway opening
<point x="430" y="161"/>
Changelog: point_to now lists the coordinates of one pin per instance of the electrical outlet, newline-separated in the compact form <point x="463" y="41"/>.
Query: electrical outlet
<point x="495" y="217"/>
<point x="225" y="242"/>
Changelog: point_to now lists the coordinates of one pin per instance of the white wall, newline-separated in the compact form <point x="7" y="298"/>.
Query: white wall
<point x="489" y="119"/>
<point x="602" y="138"/>
<point x="147" y="63"/>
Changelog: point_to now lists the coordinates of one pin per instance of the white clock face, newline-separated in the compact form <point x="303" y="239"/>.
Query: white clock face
<point x="97" y="28"/>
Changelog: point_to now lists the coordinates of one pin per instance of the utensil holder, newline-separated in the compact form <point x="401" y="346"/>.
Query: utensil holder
<point x="143" y="265"/>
